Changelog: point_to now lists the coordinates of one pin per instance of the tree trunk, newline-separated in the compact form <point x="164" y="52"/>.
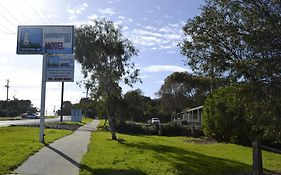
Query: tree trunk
<point x="257" y="168"/>
<point x="112" y="127"/>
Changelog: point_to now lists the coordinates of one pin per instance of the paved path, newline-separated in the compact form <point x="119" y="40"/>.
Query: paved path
<point x="61" y="157"/>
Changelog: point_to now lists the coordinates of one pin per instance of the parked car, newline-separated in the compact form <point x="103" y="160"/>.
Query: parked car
<point x="30" y="116"/>
<point x="155" y="121"/>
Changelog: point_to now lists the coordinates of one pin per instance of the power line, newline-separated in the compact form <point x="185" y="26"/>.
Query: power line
<point x="10" y="13"/>
<point x="19" y="10"/>
<point x="44" y="14"/>
<point x="36" y="12"/>
<point x="5" y="32"/>
<point x="9" y="21"/>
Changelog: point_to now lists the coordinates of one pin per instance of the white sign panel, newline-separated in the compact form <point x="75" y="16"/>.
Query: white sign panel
<point x="45" y="39"/>
<point x="60" y="68"/>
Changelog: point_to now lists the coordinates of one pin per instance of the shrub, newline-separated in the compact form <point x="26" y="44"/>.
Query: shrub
<point x="135" y="128"/>
<point x="169" y="129"/>
<point x="224" y="116"/>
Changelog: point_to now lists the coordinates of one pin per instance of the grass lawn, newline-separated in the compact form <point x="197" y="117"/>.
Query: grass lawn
<point x="18" y="143"/>
<point x="10" y="118"/>
<point x="141" y="155"/>
<point x="83" y="122"/>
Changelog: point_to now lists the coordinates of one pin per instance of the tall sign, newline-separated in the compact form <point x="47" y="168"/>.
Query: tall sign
<point x="49" y="41"/>
<point x="45" y="39"/>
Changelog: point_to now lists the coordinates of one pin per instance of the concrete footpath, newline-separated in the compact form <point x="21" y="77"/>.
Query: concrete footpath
<point x="61" y="157"/>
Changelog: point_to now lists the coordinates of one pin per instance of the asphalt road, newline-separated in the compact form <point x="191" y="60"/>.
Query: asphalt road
<point x="32" y="121"/>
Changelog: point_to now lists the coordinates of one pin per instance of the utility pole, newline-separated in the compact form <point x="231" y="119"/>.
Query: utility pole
<point x="61" y="104"/>
<point x="7" y="86"/>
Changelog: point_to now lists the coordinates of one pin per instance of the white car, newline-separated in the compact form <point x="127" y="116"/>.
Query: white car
<point x="155" y="121"/>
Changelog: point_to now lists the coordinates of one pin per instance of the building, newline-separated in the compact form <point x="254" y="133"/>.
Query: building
<point x="192" y="116"/>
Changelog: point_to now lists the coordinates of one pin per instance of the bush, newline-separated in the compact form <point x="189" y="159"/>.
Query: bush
<point x="135" y="128"/>
<point x="169" y="129"/>
<point x="224" y="116"/>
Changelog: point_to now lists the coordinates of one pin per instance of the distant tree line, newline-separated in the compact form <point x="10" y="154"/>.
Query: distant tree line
<point x="15" y="107"/>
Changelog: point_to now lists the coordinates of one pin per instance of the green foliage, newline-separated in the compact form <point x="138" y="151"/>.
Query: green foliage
<point x="67" y="106"/>
<point x="168" y="129"/>
<point x="136" y="128"/>
<point x="15" y="107"/>
<point x="134" y="105"/>
<point x="224" y="116"/>
<point x="182" y="90"/>
<point x="243" y="112"/>
<point x="139" y="155"/>
<point x="18" y="143"/>
<point x="88" y="107"/>
<point x="105" y="56"/>
<point x="237" y="39"/>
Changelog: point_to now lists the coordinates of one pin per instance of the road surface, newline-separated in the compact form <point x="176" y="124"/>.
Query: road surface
<point x="31" y="121"/>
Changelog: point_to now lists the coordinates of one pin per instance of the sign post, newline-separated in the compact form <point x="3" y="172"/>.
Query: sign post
<point x="43" y="96"/>
<point x="61" y="103"/>
<point x="49" y="41"/>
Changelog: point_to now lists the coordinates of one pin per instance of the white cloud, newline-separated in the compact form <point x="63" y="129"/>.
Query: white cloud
<point x="78" y="9"/>
<point x="151" y="28"/>
<point x="165" y="68"/>
<point x="173" y="36"/>
<point x="125" y="27"/>
<point x="75" y="11"/>
<point x="93" y="17"/>
<point x="113" y="1"/>
<point x="157" y="37"/>
<point x="146" y="33"/>
<point x="107" y="11"/>
<point x="121" y="17"/>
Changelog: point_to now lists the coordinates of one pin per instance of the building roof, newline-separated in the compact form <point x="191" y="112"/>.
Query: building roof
<point x="192" y="109"/>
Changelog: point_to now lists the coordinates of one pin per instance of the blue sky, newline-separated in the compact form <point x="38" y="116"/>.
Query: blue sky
<point x="154" y="26"/>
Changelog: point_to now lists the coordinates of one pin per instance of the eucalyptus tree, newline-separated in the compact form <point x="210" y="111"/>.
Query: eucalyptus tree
<point x="105" y="56"/>
<point x="135" y="105"/>
<point x="182" y="90"/>
<point x="240" y="40"/>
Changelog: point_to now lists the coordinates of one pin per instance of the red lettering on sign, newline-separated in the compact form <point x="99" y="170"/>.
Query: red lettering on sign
<point x="54" y="45"/>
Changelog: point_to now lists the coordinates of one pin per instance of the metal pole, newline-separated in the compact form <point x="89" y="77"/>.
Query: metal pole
<point x="61" y="104"/>
<point x="43" y="96"/>
<point x="7" y="86"/>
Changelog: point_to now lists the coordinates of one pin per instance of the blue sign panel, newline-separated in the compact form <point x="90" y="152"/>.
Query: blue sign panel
<point x="60" y="68"/>
<point x="45" y="39"/>
<point x="30" y="40"/>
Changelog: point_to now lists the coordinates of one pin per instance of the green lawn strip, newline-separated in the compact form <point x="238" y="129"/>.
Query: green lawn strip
<point x="50" y="116"/>
<point x="83" y="122"/>
<point x="86" y="120"/>
<point x="167" y="155"/>
<point x="10" y="118"/>
<point x="18" y="143"/>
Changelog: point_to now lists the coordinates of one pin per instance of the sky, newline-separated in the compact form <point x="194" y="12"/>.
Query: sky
<point x="154" y="27"/>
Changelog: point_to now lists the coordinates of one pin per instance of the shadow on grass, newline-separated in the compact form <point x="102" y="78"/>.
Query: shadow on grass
<point x="109" y="171"/>
<point x="189" y="162"/>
